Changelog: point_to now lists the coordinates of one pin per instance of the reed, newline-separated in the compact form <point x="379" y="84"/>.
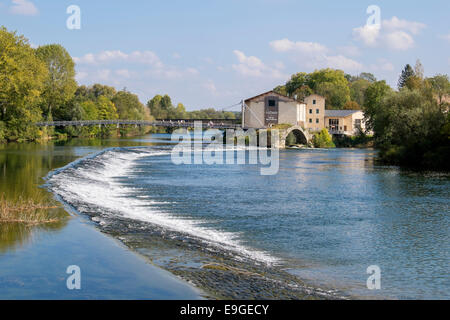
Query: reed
<point x="26" y="211"/>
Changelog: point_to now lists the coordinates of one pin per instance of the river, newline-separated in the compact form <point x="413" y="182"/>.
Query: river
<point x="322" y="220"/>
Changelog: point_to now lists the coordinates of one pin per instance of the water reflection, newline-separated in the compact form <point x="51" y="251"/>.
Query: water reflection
<point x="23" y="166"/>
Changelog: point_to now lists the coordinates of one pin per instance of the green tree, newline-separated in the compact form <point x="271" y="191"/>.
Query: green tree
<point x="128" y="106"/>
<point x="60" y="85"/>
<point x="367" y="76"/>
<point x="331" y="84"/>
<point x="323" y="139"/>
<point x="358" y="90"/>
<point x="373" y="97"/>
<point x="440" y="86"/>
<point x="407" y="72"/>
<point x="352" y="105"/>
<point x="22" y="75"/>
<point x="297" y="81"/>
<point x="281" y="90"/>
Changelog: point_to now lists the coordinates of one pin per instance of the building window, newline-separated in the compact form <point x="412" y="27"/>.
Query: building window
<point x="334" y="124"/>
<point x="345" y="128"/>
<point x="358" y="123"/>
<point x="317" y="111"/>
<point x="272" y="103"/>
<point x="317" y="120"/>
<point x="310" y="120"/>
<point x="314" y="102"/>
<point x="310" y="111"/>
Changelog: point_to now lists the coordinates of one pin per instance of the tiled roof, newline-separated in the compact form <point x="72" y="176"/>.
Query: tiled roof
<point x="272" y="93"/>
<point x="340" y="113"/>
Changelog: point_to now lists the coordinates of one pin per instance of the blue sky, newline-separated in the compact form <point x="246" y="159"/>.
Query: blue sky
<point x="214" y="53"/>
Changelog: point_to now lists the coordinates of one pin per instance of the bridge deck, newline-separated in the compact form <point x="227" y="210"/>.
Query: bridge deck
<point x="225" y="124"/>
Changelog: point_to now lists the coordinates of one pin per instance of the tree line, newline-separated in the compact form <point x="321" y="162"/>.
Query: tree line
<point x="39" y="85"/>
<point x="410" y="126"/>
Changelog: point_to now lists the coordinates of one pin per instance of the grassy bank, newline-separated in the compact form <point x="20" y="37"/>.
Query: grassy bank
<point x="27" y="211"/>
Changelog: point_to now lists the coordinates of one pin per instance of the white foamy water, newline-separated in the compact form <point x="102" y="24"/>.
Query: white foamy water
<point x="93" y="184"/>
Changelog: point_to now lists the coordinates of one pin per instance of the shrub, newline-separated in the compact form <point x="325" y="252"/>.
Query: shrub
<point x="323" y="140"/>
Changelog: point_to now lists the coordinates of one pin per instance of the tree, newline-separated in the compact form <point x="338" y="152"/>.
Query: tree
<point x="331" y="84"/>
<point x="367" y="76"/>
<point x="406" y="74"/>
<point x="418" y="69"/>
<point x="440" y="86"/>
<point x="128" y="106"/>
<point x="281" y="90"/>
<point x="373" y="97"/>
<point x="60" y="85"/>
<point x="297" y="81"/>
<point x="301" y="93"/>
<point x="352" y="105"/>
<point x="323" y="139"/>
<point x="358" y="89"/>
<point x="410" y="129"/>
<point x="21" y="77"/>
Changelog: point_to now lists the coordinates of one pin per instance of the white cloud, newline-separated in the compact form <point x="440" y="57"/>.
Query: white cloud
<point x="23" y="7"/>
<point x="396" y="34"/>
<point x="399" y="40"/>
<point x="445" y="37"/>
<point x="398" y="24"/>
<point x="254" y="67"/>
<point x="368" y="34"/>
<point x="382" y="65"/>
<point x="314" y="55"/>
<point x="343" y="63"/>
<point x="142" y="57"/>
<point x="285" y="45"/>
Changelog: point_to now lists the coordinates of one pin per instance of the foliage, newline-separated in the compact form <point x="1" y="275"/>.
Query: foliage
<point x="373" y="97"/>
<point x="352" y="105"/>
<point x="361" y="140"/>
<point x="161" y="108"/>
<point x="407" y="72"/>
<point x="440" y="85"/>
<point x="323" y="139"/>
<point x="60" y="84"/>
<point x="358" y="89"/>
<point x="330" y="83"/>
<point x="410" y="129"/>
<point x="22" y="75"/>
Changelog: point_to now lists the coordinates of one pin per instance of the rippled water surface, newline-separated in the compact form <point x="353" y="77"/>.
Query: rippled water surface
<point x="326" y="216"/>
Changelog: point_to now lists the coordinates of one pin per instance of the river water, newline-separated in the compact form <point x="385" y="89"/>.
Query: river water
<point x="324" y="218"/>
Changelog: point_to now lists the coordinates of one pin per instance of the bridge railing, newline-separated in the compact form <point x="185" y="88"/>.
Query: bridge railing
<point x="159" y="123"/>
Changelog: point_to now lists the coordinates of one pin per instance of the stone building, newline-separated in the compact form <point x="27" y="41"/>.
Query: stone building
<point x="345" y="122"/>
<point x="315" y="113"/>
<point x="271" y="108"/>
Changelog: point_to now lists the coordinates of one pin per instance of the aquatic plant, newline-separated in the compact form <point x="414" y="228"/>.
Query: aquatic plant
<point x="26" y="211"/>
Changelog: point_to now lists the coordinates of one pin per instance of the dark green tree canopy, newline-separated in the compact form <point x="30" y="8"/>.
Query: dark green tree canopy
<point x="60" y="84"/>
<point x="407" y="73"/>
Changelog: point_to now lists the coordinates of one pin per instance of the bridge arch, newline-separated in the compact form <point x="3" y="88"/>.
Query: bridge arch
<point x="301" y="136"/>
